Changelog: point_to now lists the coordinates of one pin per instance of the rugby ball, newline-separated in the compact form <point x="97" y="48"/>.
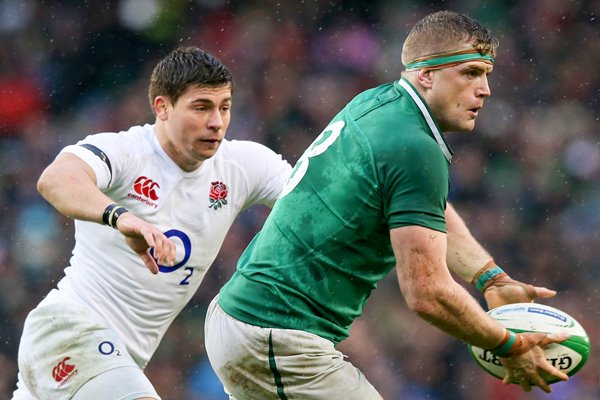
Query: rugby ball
<point x="568" y="356"/>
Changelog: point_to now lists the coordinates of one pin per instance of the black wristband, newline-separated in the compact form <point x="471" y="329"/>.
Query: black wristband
<point x="111" y="214"/>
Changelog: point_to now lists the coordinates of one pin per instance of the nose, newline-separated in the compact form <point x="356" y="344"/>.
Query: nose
<point x="483" y="90"/>
<point x="215" y="120"/>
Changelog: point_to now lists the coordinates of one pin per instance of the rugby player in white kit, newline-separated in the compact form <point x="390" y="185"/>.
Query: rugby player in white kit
<point x="156" y="197"/>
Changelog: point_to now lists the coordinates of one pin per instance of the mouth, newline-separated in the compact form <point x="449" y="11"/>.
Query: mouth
<point x="208" y="144"/>
<point x="475" y="111"/>
<point x="211" y="141"/>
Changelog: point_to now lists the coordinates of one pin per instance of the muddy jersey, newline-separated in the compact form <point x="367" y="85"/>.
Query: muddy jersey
<point x="194" y="209"/>
<point x="382" y="163"/>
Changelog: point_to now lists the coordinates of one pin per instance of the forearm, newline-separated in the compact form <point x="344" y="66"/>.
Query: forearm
<point x="430" y="290"/>
<point x="454" y="311"/>
<point x="69" y="185"/>
<point x="465" y="256"/>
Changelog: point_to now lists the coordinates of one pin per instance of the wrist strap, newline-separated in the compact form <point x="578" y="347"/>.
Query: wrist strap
<point x="504" y="348"/>
<point x="111" y="214"/>
<point x="487" y="275"/>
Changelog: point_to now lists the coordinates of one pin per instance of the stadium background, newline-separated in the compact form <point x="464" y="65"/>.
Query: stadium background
<point x="527" y="180"/>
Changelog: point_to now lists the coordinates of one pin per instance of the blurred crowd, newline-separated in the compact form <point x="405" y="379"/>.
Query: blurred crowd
<point x="527" y="180"/>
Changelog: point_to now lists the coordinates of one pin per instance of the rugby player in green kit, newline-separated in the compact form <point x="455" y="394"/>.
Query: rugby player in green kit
<point x="368" y="195"/>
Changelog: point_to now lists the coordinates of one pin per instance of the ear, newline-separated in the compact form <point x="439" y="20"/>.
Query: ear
<point x="425" y="78"/>
<point x="161" y="105"/>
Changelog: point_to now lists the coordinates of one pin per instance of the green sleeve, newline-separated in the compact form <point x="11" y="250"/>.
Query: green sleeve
<point x="414" y="179"/>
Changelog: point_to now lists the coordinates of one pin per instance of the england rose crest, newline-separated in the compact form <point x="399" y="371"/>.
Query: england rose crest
<point x="217" y="195"/>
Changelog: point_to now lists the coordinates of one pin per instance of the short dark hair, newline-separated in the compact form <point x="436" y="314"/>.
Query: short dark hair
<point x="184" y="67"/>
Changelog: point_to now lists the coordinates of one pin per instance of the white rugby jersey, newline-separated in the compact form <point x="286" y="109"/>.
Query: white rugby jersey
<point x="194" y="209"/>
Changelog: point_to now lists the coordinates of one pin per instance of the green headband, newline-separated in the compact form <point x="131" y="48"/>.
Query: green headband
<point x="448" y="59"/>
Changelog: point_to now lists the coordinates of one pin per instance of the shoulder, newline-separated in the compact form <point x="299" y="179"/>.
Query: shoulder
<point x="390" y="121"/>
<point x="372" y="100"/>
<point x="245" y="152"/>
<point x="386" y="116"/>
<point x="396" y="133"/>
<point x="136" y="133"/>
<point x="135" y="140"/>
<point x="233" y="148"/>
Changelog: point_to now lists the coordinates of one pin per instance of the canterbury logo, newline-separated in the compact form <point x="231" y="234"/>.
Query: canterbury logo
<point x="146" y="187"/>
<point x="62" y="370"/>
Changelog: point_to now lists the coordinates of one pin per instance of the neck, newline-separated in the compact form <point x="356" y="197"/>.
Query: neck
<point x="176" y="154"/>
<point x="411" y="76"/>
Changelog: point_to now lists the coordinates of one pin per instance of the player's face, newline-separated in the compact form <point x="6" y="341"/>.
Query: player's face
<point x="194" y="127"/>
<point x="457" y="95"/>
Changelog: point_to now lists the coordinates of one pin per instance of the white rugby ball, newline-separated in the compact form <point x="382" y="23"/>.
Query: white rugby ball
<point x="568" y="356"/>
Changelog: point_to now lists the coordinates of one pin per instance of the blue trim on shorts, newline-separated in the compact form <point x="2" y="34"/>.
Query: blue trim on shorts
<point x="273" y="366"/>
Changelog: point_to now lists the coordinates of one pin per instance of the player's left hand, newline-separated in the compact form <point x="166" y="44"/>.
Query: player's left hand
<point x="506" y="290"/>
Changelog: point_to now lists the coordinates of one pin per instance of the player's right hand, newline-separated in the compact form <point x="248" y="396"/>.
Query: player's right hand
<point x="527" y="366"/>
<point x="142" y="236"/>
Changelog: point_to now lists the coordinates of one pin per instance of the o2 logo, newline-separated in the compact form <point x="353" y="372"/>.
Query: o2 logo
<point x="186" y="244"/>
<point x="320" y="144"/>
<point x="107" y="348"/>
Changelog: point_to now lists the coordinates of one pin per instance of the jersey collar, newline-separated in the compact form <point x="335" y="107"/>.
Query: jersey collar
<point x="428" y="118"/>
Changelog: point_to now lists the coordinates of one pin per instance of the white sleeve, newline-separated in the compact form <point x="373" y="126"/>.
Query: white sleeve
<point x="266" y="172"/>
<point x="100" y="152"/>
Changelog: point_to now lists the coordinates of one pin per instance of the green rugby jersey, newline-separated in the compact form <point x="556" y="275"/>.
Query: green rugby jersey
<point x="381" y="164"/>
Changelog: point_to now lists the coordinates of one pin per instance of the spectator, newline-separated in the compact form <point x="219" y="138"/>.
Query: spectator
<point x="548" y="53"/>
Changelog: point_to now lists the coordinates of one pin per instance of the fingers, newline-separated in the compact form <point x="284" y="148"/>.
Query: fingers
<point x="142" y="236"/>
<point x="506" y="290"/>
<point x="527" y="382"/>
<point x="531" y="368"/>
<point x="531" y="339"/>
<point x="549" y="370"/>
<point x="537" y="381"/>
<point x="543" y="293"/>
<point x="521" y="380"/>
<point x="553" y="338"/>
<point x="164" y="250"/>
<point x="507" y="282"/>
<point x="527" y="340"/>
<point x="527" y="386"/>
<point x="543" y="366"/>
<point x="150" y="263"/>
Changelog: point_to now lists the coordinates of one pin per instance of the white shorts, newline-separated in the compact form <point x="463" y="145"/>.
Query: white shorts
<point x="264" y="363"/>
<point x="64" y="349"/>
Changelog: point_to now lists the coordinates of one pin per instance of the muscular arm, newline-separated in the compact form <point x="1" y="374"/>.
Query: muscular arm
<point x="69" y="184"/>
<point x="430" y="290"/>
<point x="465" y="256"/>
